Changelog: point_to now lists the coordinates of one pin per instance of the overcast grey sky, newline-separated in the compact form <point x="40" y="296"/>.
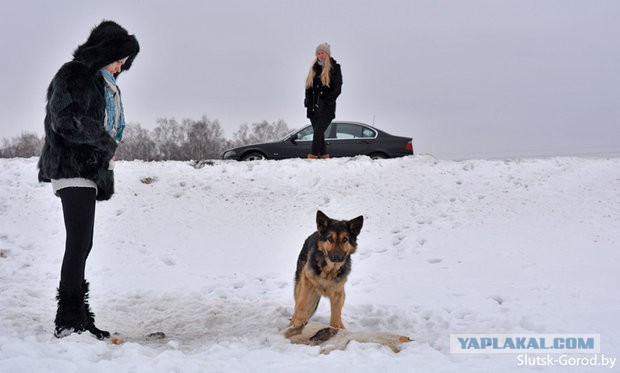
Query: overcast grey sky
<point x="464" y="78"/>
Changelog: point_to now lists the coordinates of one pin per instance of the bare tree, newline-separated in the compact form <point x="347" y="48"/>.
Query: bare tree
<point x="28" y="144"/>
<point x="192" y="140"/>
<point x="137" y="144"/>
<point x="169" y="138"/>
<point x="260" y="132"/>
<point x="205" y="139"/>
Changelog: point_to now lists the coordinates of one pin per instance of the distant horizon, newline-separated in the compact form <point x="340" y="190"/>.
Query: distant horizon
<point x="471" y="156"/>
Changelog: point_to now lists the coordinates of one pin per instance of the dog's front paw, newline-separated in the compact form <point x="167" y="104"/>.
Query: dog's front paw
<point x="337" y="325"/>
<point x="292" y="331"/>
<point x="295" y="327"/>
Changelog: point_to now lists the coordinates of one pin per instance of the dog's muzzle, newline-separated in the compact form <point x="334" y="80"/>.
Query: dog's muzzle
<point x="337" y="257"/>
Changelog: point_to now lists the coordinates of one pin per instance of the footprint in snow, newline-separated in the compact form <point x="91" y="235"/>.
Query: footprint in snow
<point x="398" y="239"/>
<point x="168" y="261"/>
<point x="498" y="299"/>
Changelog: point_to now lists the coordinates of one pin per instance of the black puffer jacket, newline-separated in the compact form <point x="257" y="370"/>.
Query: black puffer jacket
<point x="320" y="99"/>
<point x="76" y="141"/>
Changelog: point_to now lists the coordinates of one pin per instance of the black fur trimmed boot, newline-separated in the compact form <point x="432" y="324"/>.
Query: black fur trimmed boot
<point x="70" y="317"/>
<point x="90" y="317"/>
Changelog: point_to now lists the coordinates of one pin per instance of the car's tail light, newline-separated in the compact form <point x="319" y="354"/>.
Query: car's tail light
<point x="409" y="147"/>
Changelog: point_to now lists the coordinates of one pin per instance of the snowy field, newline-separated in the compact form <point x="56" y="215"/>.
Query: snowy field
<point x="207" y="256"/>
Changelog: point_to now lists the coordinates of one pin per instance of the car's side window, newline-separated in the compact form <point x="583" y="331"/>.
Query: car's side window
<point x="307" y="134"/>
<point x="347" y="131"/>
<point x="353" y="131"/>
<point x="367" y="132"/>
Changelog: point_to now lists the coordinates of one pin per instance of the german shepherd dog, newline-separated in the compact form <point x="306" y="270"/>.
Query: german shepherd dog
<point x="323" y="266"/>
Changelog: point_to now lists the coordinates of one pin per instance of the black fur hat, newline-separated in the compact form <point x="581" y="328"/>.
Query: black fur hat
<point x="108" y="42"/>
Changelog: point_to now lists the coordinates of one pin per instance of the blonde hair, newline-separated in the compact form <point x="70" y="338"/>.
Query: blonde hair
<point x="327" y="66"/>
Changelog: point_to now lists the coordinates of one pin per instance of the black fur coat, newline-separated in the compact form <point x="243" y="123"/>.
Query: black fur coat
<point x="76" y="141"/>
<point x="320" y="100"/>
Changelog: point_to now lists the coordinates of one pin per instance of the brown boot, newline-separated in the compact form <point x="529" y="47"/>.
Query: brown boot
<point x="312" y="156"/>
<point x="325" y="156"/>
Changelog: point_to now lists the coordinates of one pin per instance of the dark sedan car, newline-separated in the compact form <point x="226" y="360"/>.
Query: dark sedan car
<point x="343" y="139"/>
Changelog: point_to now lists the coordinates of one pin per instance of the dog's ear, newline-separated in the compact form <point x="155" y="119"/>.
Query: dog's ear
<point x="355" y="225"/>
<point x="322" y="221"/>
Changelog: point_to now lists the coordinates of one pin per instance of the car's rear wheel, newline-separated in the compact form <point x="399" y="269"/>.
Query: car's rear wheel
<point x="253" y="156"/>
<point x="378" y="156"/>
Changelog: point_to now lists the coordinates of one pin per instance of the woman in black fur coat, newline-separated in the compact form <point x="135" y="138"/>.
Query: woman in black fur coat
<point x="323" y="86"/>
<point x="84" y="121"/>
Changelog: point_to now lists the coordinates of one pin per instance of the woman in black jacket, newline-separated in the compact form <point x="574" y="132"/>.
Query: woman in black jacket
<point x="84" y="121"/>
<point x="323" y="86"/>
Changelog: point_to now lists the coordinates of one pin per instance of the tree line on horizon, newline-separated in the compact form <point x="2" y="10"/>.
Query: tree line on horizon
<point x="170" y="140"/>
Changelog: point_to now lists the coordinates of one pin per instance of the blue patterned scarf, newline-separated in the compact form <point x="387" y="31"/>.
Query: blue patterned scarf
<point x="115" y="115"/>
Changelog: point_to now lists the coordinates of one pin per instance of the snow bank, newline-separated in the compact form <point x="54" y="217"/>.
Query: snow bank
<point x="207" y="256"/>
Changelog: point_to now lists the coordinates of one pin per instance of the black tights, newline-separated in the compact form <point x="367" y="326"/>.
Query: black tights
<point x="78" y="207"/>
<point x="319" y="125"/>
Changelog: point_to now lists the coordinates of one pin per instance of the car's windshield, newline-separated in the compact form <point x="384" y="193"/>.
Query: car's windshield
<point x="288" y="134"/>
<point x="306" y="133"/>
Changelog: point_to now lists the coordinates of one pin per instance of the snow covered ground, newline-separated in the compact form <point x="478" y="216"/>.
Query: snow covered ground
<point x="207" y="256"/>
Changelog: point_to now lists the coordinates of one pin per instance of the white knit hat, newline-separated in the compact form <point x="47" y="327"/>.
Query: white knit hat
<point x="325" y="47"/>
